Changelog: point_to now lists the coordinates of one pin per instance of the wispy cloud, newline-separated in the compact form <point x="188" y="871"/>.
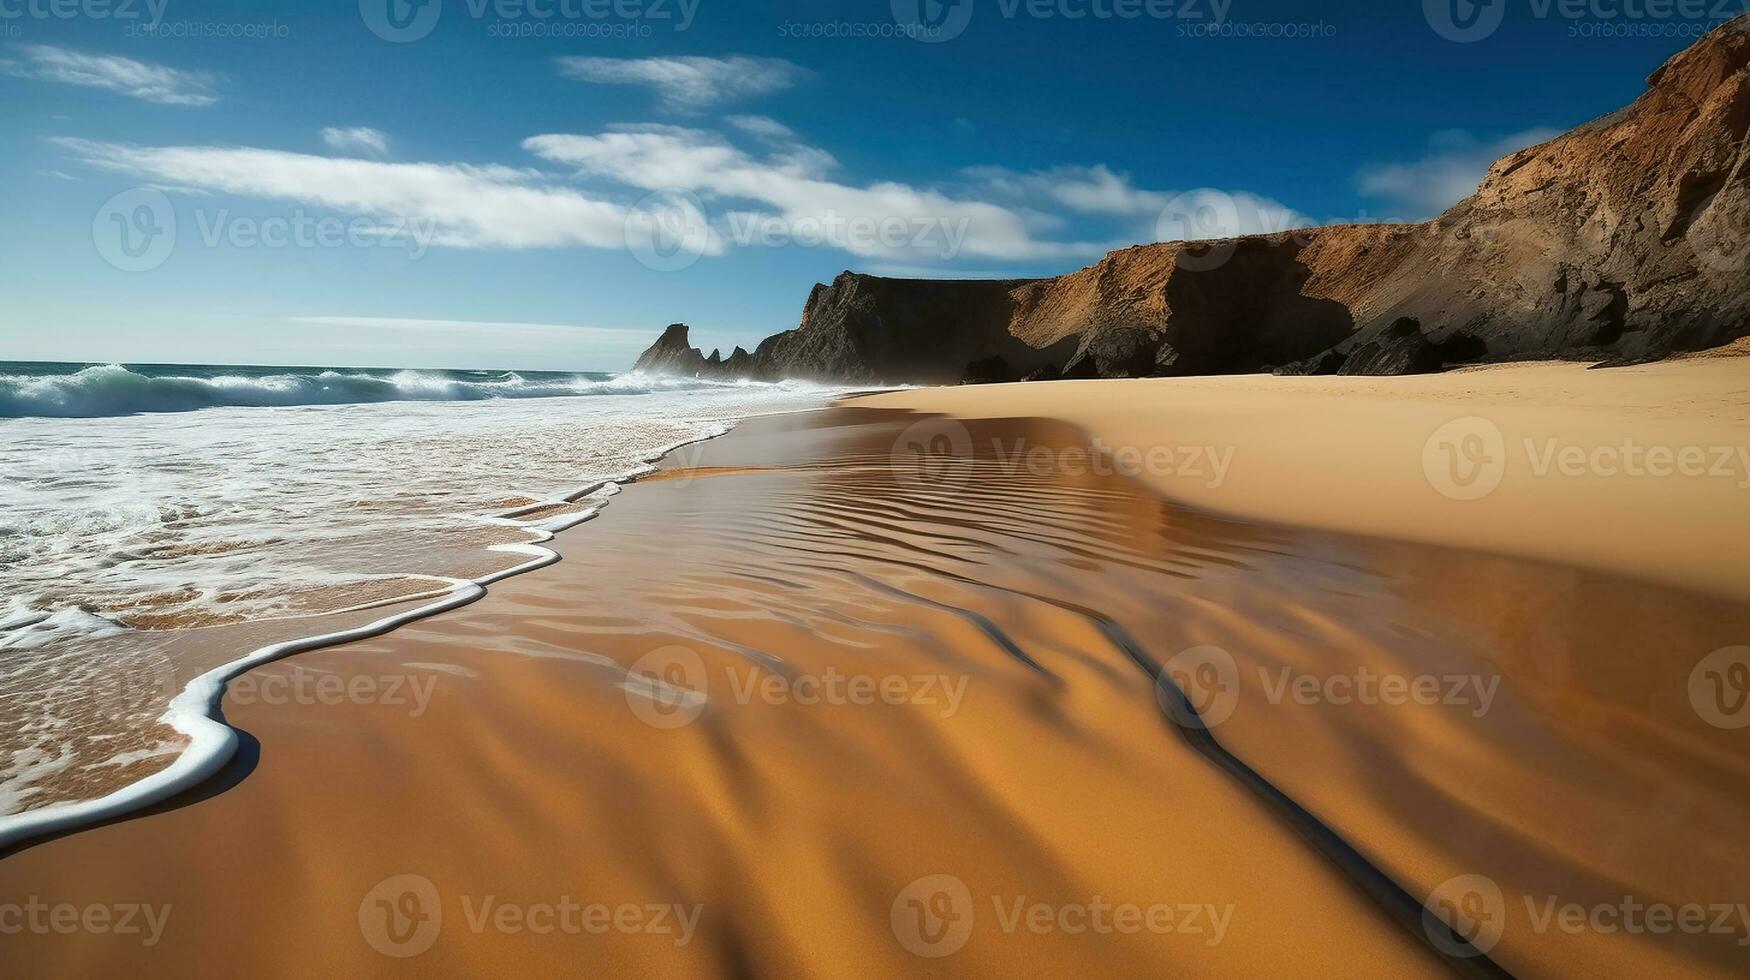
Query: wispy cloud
<point x="1449" y="172"/>
<point x="689" y="84"/>
<point x="464" y="205"/>
<point x="711" y="192"/>
<point x="1089" y="190"/>
<point x="764" y="127"/>
<point x="135" y="79"/>
<point x="1191" y="214"/>
<point x="357" y="139"/>
<point x="797" y="184"/>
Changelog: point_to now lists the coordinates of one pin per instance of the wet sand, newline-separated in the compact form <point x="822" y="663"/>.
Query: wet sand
<point x="809" y="704"/>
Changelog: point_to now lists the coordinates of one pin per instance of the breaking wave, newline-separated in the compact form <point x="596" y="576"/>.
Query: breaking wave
<point x="112" y="390"/>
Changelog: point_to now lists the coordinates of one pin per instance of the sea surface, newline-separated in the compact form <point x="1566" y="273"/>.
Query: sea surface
<point x="142" y="502"/>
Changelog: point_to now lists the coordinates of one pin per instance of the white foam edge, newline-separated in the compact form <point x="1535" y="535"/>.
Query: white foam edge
<point x="211" y="743"/>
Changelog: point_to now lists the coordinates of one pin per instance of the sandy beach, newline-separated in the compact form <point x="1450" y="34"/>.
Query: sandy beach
<point x="810" y="700"/>
<point x="1632" y="470"/>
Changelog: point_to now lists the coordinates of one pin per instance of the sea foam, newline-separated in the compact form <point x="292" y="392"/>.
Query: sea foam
<point x="111" y="389"/>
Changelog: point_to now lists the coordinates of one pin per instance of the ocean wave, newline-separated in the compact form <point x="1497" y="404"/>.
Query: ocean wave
<point x="113" y="390"/>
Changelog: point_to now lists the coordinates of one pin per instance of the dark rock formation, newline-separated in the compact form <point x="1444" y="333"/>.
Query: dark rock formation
<point x="671" y="354"/>
<point x="870" y="329"/>
<point x="1624" y="240"/>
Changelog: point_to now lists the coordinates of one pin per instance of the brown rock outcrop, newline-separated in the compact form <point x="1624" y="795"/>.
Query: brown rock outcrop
<point x="1625" y="239"/>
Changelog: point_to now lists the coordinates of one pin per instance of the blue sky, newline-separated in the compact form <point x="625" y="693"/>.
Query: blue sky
<point x="472" y="196"/>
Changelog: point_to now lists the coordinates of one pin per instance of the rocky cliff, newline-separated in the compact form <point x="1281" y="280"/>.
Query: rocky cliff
<point x="672" y="354"/>
<point x="1623" y="240"/>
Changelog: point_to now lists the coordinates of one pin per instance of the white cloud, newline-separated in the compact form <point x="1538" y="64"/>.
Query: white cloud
<point x="787" y="193"/>
<point x="764" y="127"/>
<point x="361" y="139"/>
<point x="1167" y="215"/>
<point x="135" y="79"/>
<point x="1455" y="163"/>
<point x="689" y="84"/>
<point x="1089" y="190"/>
<point x="795" y="184"/>
<point x="460" y="204"/>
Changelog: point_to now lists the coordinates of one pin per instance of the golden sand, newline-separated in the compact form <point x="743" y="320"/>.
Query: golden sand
<point x="1356" y="454"/>
<point x="850" y="711"/>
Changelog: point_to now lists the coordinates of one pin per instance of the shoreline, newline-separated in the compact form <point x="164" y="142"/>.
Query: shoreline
<point x="192" y="711"/>
<point x="802" y="546"/>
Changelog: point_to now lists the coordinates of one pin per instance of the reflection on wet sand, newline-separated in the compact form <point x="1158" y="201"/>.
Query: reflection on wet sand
<point x="876" y="714"/>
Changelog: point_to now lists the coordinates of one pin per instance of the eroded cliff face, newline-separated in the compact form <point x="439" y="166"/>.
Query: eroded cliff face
<point x="673" y="354"/>
<point x="1625" y="239"/>
<point x="871" y="329"/>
